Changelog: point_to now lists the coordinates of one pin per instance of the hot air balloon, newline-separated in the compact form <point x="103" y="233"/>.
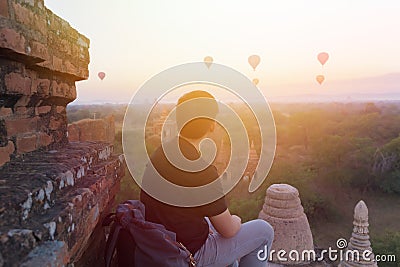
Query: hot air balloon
<point x="323" y="57"/>
<point x="320" y="79"/>
<point x="256" y="81"/>
<point x="208" y="61"/>
<point x="254" y="60"/>
<point x="101" y="75"/>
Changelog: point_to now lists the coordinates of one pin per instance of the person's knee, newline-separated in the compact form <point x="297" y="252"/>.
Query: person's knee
<point x="265" y="230"/>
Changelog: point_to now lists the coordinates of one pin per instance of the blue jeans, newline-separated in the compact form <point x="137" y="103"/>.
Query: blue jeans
<point x="252" y="237"/>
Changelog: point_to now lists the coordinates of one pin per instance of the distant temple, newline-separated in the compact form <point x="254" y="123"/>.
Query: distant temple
<point x="158" y="125"/>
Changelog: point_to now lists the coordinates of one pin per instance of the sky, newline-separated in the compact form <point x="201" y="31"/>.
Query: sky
<point x="133" y="40"/>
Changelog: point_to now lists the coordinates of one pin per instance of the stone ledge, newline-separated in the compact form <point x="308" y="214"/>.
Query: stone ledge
<point x="56" y="195"/>
<point x="40" y="177"/>
<point x="50" y="253"/>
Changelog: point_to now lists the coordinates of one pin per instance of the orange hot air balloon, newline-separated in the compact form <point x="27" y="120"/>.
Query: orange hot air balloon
<point x="256" y="81"/>
<point x="101" y="75"/>
<point x="208" y="61"/>
<point x="320" y="79"/>
<point x="254" y="60"/>
<point x="323" y="57"/>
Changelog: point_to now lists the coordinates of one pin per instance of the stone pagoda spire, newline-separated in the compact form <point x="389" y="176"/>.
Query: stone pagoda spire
<point x="283" y="210"/>
<point x="359" y="240"/>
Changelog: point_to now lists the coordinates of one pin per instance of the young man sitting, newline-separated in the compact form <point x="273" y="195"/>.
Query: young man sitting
<point x="210" y="232"/>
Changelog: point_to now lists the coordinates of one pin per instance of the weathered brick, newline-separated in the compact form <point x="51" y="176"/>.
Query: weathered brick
<point x="21" y="110"/>
<point x="65" y="46"/>
<point x="70" y="68"/>
<point x="26" y="144"/>
<point x="44" y="139"/>
<point x="46" y="64"/>
<point x="64" y="89"/>
<point x="23" y="101"/>
<point x="54" y="88"/>
<point x="40" y="24"/>
<point x="57" y="63"/>
<point x="54" y="23"/>
<point x="75" y="50"/>
<point x="25" y="111"/>
<point x="5" y="112"/>
<point x="60" y="136"/>
<point x="60" y="109"/>
<point x="4" y="156"/>
<point x="30" y="73"/>
<point x="29" y="2"/>
<point x="29" y="18"/>
<point x="71" y="93"/>
<point x="5" y="153"/>
<point x="13" y="40"/>
<point x="83" y="41"/>
<point x="43" y="109"/>
<point x="51" y="253"/>
<point x="61" y="90"/>
<point x="39" y="50"/>
<point x="22" y="14"/>
<point x="41" y="86"/>
<point x="55" y="123"/>
<point x="10" y="147"/>
<point x="18" y="126"/>
<point x="16" y="83"/>
<point x="4" y="8"/>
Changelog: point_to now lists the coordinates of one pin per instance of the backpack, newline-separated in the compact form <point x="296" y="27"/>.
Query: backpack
<point x="140" y="243"/>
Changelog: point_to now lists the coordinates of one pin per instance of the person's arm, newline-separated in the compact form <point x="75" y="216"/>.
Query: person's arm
<point x="226" y="224"/>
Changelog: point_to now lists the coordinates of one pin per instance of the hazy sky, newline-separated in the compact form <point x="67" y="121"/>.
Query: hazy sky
<point x="133" y="40"/>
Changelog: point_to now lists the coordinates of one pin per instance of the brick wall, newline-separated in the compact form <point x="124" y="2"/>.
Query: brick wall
<point x="41" y="58"/>
<point x="53" y="194"/>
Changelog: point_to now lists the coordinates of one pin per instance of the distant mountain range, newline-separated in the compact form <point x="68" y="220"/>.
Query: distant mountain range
<point x="379" y="88"/>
